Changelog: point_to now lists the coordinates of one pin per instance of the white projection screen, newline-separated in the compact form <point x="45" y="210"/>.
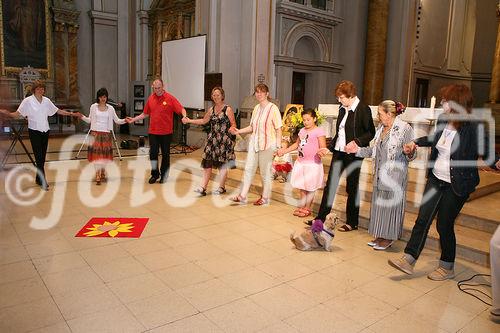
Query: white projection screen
<point x="183" y="70"/>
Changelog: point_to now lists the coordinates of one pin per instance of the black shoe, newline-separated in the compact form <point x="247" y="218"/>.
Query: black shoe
<point x="163" y="180"/>
<point x="309" y="222"/>
<point x="152" y="180"/>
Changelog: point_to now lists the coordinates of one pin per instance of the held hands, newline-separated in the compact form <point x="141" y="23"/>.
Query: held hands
<point x="129" y="120"/>
<point x="185" y="120"/>
<point x="351" y="148"/>
<point x="280" y="152"/>
<point x="234" y="131"/>
<point x="409" y="148"/>
<point x="323" y="152"/>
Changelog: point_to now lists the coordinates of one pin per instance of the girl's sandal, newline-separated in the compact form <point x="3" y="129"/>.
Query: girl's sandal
<point x="297" y="211"/>
<point x="304" y="212"/>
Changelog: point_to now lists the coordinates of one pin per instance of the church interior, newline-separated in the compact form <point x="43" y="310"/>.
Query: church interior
<point x="203" y="264"/>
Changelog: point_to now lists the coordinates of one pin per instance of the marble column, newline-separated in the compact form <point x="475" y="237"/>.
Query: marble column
<point x="142" y="54"/>
<point x="60" y="62"/>
<point x="376" y="40"/>
<point x="495" y="73"/>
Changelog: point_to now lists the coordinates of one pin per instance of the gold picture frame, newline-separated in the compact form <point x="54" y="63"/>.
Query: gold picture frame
<point x="28" y="45"/>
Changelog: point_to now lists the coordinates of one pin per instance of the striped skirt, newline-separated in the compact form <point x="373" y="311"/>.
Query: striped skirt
<point x="101" y="149"/>
<point x="387" y="214"/>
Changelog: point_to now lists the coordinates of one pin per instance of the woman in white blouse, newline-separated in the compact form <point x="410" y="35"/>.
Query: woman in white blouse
<point x="265" y="127"/>
<point x="101" y="117"/>
<point x="37" y="109"/>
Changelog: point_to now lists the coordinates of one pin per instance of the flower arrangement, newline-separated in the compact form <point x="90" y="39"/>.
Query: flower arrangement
<point x="297" y="123"/>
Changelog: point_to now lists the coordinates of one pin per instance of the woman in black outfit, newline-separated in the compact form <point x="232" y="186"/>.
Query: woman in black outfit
<point x="452" y="177"/>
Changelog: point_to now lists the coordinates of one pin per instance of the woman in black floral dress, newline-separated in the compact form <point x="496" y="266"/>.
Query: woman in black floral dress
<point x="219" y="148"/>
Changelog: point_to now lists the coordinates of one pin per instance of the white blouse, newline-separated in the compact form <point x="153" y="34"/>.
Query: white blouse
<point x="442" y="165"/>
<point x="37" y="113"/>
<point x="110" y="114"/>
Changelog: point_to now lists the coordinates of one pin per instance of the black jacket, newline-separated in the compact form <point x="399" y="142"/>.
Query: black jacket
<point x="464" y="154"/>
<point x="358" y="126"/>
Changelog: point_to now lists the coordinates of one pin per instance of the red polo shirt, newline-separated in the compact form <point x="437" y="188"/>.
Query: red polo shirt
<point x="160" y="110"/>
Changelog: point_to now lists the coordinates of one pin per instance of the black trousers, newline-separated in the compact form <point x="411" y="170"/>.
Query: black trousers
<point x="352" y="165"/>
<point x="39" y="143"/>
<point x="439" y="199"/>
<point x="157" y="142"/>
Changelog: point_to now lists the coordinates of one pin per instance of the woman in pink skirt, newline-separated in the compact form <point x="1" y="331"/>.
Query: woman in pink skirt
<point x="307" y="173"/>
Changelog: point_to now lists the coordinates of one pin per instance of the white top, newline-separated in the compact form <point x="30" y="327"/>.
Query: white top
<point x="340" y="143"/>
<point x="37" y="113"/>
<point x="442" y="166"/>
<point x="97" y="124"/>
<point x="101" y="123"/>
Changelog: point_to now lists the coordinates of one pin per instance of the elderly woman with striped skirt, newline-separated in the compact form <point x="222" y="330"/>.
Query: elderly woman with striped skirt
<point x="390" y="174"/>
<point x="101" y="117"/>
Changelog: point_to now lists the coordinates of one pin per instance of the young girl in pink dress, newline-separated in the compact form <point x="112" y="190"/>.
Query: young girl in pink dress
<point x="307" y="172"/>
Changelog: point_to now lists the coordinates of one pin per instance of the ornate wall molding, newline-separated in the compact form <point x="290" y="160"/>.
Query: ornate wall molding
<point x="306" y="29"/>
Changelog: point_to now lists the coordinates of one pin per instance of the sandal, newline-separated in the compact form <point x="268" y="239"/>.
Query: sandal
<point x="201" y="191"/>
<point x="220" y="190"/>
<point x="261" y="201"/>
<point x="346" y="227"/>
<point x="297" y="211"/>
<point x="304" y="212"/>
<point x="238" y="199"/>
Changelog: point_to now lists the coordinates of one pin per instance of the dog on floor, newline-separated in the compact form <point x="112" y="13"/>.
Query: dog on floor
<point x="319" y="235"/>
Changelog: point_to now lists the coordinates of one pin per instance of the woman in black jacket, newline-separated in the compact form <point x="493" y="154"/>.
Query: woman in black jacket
<point x="452" y="177"/>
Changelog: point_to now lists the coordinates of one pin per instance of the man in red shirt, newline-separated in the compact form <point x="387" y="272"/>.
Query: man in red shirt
<point x="160" y="107"/>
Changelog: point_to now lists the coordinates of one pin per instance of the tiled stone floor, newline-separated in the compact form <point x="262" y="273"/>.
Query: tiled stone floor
<point x="203" y="265"/>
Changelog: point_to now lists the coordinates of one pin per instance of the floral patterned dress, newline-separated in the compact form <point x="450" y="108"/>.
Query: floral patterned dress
<point x="219" y="148"/>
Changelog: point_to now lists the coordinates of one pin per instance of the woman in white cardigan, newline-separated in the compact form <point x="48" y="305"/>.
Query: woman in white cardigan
<point x="101" y="117"/>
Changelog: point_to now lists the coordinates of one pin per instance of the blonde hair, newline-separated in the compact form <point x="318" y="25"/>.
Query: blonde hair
<point x="394" y="108"/>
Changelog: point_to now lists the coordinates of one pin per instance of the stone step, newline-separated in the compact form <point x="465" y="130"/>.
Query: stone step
<point x="472" y="232"/>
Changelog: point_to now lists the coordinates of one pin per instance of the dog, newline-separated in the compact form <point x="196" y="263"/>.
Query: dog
<point x="319" y="235"/>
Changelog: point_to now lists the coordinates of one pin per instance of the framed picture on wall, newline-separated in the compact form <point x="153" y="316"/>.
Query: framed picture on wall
<point x="139" y="122"/>
<point x="138" y="91"/>
<point x="25" y="36"/>
<point x="138" y="105"/>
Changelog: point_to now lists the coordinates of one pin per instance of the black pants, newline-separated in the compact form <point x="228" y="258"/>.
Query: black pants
<point x="439" y="199"/>
<point x="157" y="142"/>
<point x="352" y="165"/>
<point x="39" y="143"/>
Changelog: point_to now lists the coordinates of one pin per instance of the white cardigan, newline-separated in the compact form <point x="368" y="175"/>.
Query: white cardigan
<point x="111" y="117"/>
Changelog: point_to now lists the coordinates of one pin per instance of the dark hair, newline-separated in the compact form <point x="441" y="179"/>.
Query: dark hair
<point x="101" y="92"/>
<point x="261" y="87"/>
<point x="310" y="112"/>
<point x="458" y="93"/>
<point x="223" y="94"/>
<point x="345" y="88"/>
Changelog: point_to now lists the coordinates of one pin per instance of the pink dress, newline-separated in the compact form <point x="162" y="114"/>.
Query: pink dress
<point x="307" y="172"/>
